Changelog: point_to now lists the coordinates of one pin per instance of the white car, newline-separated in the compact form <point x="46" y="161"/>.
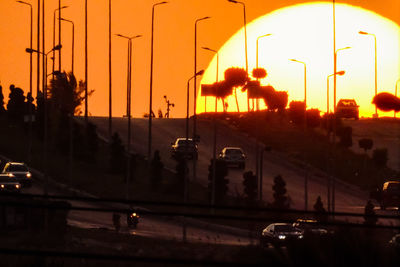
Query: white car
<point x="233" y="156"/>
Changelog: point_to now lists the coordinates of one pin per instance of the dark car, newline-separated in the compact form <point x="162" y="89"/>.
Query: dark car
<point x="9" y="184"/>
<point x="390" y="195"/>
<point x="310" y="227"/>
<point x="18" y="171"/>
<point x="395" y="241"/>
<point x="186" y="148"/>
<point x="347" y="108"/>
<point x="233" y="156"/>
<point x="280" y="234"/>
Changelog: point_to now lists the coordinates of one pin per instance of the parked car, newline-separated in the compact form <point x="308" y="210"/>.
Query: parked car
<point x="280" y="233"/>
<point x="18" y="171"/>
<point x="395" y="241"/>
<point x="390" y="195"/>
<point x="347" y="108"/>
<point x="184" y="147"/>
<point x="310" y="227"/>
<point x="9" y="184"/>
<point x="233" y="156"/>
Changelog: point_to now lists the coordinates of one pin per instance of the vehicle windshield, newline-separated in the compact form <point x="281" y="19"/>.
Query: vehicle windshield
<point x="17" y="168"/>
<point x="184" y="142"/>
<point x="347" y="103"/>
<point x="284" y="228"/>
<point x="393" y="187"/>
<point x="233" y="152"/>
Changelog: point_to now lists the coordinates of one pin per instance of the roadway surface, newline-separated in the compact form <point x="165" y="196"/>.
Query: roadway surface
<point x="348" y="198"/>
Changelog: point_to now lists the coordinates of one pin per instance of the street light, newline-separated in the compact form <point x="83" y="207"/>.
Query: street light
<point x="334" y="74"/>
<point x="30" y="51"/>
<point x="128" y="105"/>
<point x="151" y="79"/>
<point x="54" y="36"/>
<point x="395" y="94"/>
<point x="195" y="91"/>
<point x="169" y="104"/>
<point x="305" y="125"/>
<point x="341" y="73"/>
<point x="245" y="41"/>
<point x="205" y="97"/>
<point x="73" y="42"/>
<point x="376" y="76"/>
<point x="258" y="38"/>
<point x="30" y="81"/>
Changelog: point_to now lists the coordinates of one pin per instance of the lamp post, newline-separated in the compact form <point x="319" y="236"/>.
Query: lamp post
<point x="341" y="73"/>
<point x="215" y="130"/>
<point x="86" y="61"/>
<point x="335" y="72"/>
<point x="73" y="42"/>
<point x="376" y="69"/>
<point x="30" y="80"/>
<point x="30" y="51"/>
<point x="54" y="37"/>
<point x="128" y="106"/>
<point x="205" y="98"/>
<point x="109" y="74"/>
<point x="245" y="42"/>
<point x="151" y="80"/>
<point x="258" y="38"/>
<point x="395" y="94"/>
<point x="305" y="125"/>
<point x="195" y="91"/>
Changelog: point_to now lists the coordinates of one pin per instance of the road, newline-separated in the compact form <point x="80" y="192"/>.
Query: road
<point x="348" y="198"/>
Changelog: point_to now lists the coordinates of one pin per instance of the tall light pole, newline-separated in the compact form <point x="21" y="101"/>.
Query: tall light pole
<point x="128" y="106"/>
<point x="376" y="69"/>
<point x="73" y="42"/>
<point x="38" y="48"/>
<point x="86" y="62"/>
<point x="245" y="42"/>
<point x="109" y="74"/>
<point x="395" y="94"/>
<point x="215" y="132"/>
<point x="305" y="125"/>
<point x="151" y="80"/>
<point x="30" y="51"/>
<point x="341" y="73"/>
<point x="54" y="37"/>
<point x="30" y="80"/>
<point x="59" y="34"/>
<point x="195" y="91"/>
<point x="335" y="72"/>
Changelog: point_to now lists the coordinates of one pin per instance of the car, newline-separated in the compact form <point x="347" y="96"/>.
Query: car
<point x="347" y="108"/>
<point x="310" y="227"/>
<point x="233" y="156"/>
<point x="184" y="147"/>
<point x="18" y="171"/>
<point x="280" y="234"/>
<point x="9" y="184"/>
<point x="390" y="195"/>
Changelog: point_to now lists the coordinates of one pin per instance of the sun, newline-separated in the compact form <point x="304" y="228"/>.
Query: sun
<point x="305" y="32"/>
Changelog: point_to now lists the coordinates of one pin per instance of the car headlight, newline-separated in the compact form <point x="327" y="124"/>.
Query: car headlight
<point x="300" y="236"/>
<point x="281" y="237"/>
<point x="2" y="186"/>
<point x="17" y="186"/>
<point x="28" y="175"/>
<point x="11" y="175"/>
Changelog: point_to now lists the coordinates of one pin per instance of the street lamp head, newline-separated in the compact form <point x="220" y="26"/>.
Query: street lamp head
<point x="342" y="72"/>
<point x="63" y="7"/>
<point x="163" y="2"/>
<point x="362" y="32"/>
<point x="199" y="73"/>
<point x="29" y="50"/>
<point x="137" y="36"/>
<point x="233" y="1"/>
<point x="57" y="47"/>
<point x="293" y="60"/>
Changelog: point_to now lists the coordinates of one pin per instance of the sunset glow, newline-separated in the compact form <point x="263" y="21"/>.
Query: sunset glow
<point x="305" y="32"/>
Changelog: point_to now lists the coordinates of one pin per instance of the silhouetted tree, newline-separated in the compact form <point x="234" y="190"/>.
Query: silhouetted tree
<point x="259" y="73"/>
<point x="387" y="102"/>
<point x="345" y="136"/>
<point x="296" y="112"/>
<point x="380" y="157"/>
<point x="2" y="109"/>
<point x="313" y="118"/>
<point x="156" y="169"/>
<point x="369" y="214"/>
<point x="235" y="77"/>
<point x="281" y="201"/>
<point x="16" y="103"/>
<point x="117" y="152"/>
<point x="320" y="212"/>
<point x="221" y="183"/>
<point x="276" y="100"/>
<point x="250" y="186"/>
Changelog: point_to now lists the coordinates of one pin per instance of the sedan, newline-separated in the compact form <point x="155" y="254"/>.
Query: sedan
<point x="279" y="234"/>
<point x="19" y="171"/>
<point x="8" y="184"/>
<point x="233" y="156"/>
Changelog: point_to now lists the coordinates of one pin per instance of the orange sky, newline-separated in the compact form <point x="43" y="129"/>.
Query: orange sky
<point x="174" y="44"/>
